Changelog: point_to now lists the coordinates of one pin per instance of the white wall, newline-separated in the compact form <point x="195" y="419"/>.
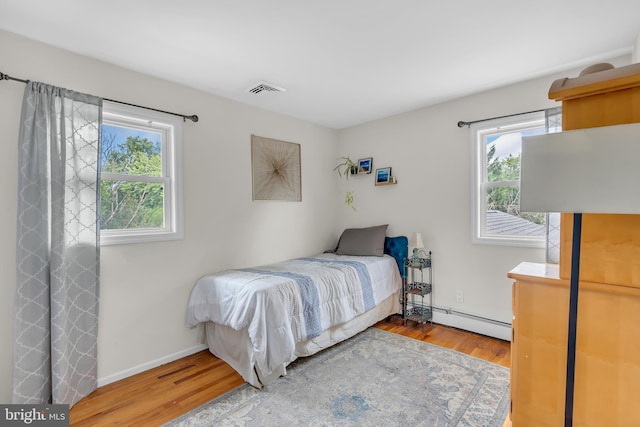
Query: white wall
<point x="430" y="156"/>
<point x="145" y="287"/>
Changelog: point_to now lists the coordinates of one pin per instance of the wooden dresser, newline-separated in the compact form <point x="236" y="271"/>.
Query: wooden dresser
<point x="607" y="379"/>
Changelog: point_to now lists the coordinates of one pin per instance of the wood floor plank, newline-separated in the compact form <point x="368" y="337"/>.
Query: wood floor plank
<point x="161" y="394"/>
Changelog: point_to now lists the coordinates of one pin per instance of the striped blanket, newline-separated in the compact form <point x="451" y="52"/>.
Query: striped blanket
<point x="293" y="301"/>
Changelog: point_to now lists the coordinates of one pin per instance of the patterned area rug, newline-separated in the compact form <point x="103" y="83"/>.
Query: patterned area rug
<point x="376" y="378"/>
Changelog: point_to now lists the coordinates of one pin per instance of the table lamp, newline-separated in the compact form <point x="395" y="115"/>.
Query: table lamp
<point x="594" y="170"/>
<point x="416" y="243"/>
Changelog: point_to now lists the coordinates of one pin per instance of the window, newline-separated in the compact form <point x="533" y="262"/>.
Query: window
<point x="141" y="176"/>
<point x="496" y="146"/>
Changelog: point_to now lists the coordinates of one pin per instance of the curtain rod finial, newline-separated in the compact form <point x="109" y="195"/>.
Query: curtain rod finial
<point x="462" y="124"/>
<point x="193" y="118"/>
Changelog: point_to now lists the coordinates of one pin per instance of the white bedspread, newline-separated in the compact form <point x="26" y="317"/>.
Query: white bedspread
<point x="292" y="301"/>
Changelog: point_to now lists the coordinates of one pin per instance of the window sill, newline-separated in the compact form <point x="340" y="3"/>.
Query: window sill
<point x="510" y="241"/>
<point x="109" y="239"/>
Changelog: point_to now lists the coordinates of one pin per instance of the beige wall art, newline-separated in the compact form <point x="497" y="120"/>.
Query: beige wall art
<point x="275" y="168"/>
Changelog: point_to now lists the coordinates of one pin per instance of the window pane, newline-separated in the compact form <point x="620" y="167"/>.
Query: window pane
<point x="131" y="151"/>
<point x="130" y="205"/>
<point x="503" y="216"/>
<point x="503" y="154"/>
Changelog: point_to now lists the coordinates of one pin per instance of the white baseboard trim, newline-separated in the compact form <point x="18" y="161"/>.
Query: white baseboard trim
<point x="150" y="365"/>
<point x="473" y="325"/>
<point x="456" y="321"/>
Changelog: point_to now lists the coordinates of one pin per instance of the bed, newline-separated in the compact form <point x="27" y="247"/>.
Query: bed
<point x="261" y="319"/>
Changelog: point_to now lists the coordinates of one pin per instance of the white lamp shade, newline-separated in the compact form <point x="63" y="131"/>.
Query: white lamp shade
<point x="416" y="241"/>
<point x="595" y="170"/>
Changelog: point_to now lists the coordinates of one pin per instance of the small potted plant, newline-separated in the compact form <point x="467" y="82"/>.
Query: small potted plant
<point x="346" y="167"/>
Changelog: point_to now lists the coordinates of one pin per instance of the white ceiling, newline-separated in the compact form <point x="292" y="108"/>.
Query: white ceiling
<point x="343" y="62"/>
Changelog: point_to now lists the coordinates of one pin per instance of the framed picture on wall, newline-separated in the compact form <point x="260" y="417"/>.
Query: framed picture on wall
<point x="383" y="175"/>
<point x="364" y="165"/>
<point x="275" y="169"/>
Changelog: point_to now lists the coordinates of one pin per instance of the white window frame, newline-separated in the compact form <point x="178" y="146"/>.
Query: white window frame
<point x="171" y="129"/>
<point x="479" y="182"/>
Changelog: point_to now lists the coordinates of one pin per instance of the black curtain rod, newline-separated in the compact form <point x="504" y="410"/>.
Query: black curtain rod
<point x="463" y="124"/>
<point x="194" y="118"/>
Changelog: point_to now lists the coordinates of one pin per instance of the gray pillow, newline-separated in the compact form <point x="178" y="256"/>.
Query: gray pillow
<point x="362" y="241"/>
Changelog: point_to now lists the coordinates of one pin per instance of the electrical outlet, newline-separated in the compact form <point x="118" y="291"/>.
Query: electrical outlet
<point x="459" y="296"/>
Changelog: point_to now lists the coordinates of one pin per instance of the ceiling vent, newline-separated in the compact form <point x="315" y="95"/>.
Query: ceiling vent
<point x="263" y="87"/>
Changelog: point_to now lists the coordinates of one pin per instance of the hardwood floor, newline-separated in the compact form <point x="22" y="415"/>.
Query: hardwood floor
<point x="161" y="394"/>
<point x="480" y="346"/>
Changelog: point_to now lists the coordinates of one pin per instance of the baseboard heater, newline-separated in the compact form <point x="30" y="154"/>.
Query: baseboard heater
<point x="471" y="316"/>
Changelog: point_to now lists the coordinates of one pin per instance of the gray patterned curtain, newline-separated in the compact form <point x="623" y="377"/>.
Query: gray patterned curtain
<point x="57" y="253"/>
<point x="553" y="119"/>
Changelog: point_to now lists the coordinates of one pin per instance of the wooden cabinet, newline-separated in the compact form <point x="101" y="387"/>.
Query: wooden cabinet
<point x="607" y="378"/>
<point x="608" y="351"/>
<point x="610" y="243"/>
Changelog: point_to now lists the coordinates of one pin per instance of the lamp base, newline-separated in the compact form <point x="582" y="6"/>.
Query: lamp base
<point x="415" y="259"/>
